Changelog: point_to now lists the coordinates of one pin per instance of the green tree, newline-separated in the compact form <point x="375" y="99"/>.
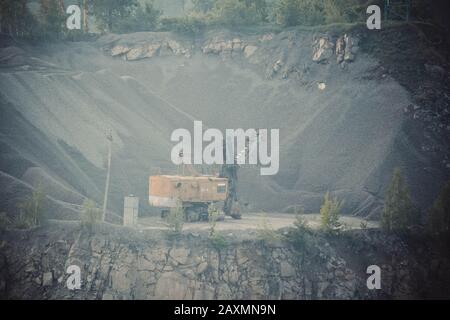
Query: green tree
<point x="90" y="214"/>
<point x="316" y="12"/>
<point x="439" y="214"/>
<point x="109" y="14"/>
<point x="399" y="212"/>
<point x="16" y="19"/>
<point x="298" y="12"/>
<point x="240" y="12"/>
<point x="141" y="18"/>
<point x="203" y="5"/>
<point x="175" y="218"/>
<point x="329" y="213"/>
<point x="5" y="221"/>
<point x="52" y="18"/>
<point x="213" y="217"/>
<point x="298" y="235"/>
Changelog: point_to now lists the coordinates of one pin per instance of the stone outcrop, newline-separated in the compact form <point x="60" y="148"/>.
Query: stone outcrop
<point x="351" y="48"/>
<point x="257" y="50"/>
<point x="149" y="50"/>
<point x="223" y="47"/>
<point x="119" y="263"/>
<point x="323" y="49"/>
<point x="344" y="48"/>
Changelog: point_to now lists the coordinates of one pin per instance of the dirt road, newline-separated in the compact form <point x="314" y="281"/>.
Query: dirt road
<point x="254" y="221"/>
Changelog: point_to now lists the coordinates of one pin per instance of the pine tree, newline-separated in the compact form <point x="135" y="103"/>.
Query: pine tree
<point x="110" y="13"/>
<point x="53" y="18"/>
<point x="15" y="18"/>
<point x="203" y="5"/>
<point x="329" y="213"/>
<point x="439" y="213"/>
<point x="141" y="18"/>
<point x="398" y="213"/>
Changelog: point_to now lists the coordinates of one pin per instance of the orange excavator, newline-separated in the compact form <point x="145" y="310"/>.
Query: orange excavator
<point x="195" y="192"/>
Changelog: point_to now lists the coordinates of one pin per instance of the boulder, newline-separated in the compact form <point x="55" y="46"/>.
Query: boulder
<point x="180" y="255"/>
<point x="250" y="50"/>
<point x="340" y="49"/>
<point x="119" y="50"/>
<point x="136" y="54"/>
<point x="323" y="49"/>
<point x="202" y="267"/>
<point x="351" y="48"/>
<point x="47" y="279"/>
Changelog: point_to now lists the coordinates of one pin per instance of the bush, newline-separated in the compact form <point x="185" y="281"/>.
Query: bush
<point x="141" y="18"/>
<point x="238" y="13"/>
<point x="266" y="234"/>
<point x="329" y="214"/>
<point x="297" y="235"/>
<point x="213" y="216"/>
<point x="218" y="241"/>
<point x="90" y="214"/>
<point x="32" y="210"/>
<point x="231" y="12"/>
<point x="439" y="214"/>
<point x="175" y="218"/>
<point x="110" y="14"/>
<point x="316" y="12"/>
<point x="5" y="221"/>
<point x="203" y="5"/>
<point x="53" y="19"/>
<point x="190" y="24"/>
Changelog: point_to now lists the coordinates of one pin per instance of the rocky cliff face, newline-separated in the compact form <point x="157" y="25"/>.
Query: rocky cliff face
<point x="118" y="263"/>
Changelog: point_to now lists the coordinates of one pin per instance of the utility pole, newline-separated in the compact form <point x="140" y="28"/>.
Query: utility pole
<point x="85" y="16"/>
<point x="108" y="175"/>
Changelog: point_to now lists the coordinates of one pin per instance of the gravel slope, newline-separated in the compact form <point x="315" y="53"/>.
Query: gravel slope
<point x="61" y="99"/>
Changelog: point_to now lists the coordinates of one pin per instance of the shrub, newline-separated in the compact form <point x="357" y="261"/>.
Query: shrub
<point x="109" y="14"/>
<point x="5" y="221"/>
<point x="238" y="13"/>
<point x="32" y="209"/>
<point x="218" y="241"/>
<point x="439" y="214"/>
<point x="141" y="18"/>
<point x="266" y="234"/>
<point x="329" y="214"/>
<point x="203" y="5"/>
<point x="175" y="218"/>
<point x="191" y="24"/>
<point x="213" y="216"/>
<point x="399" y="213"/>
<point x="316" y="12"/>
<point x="231" y="12"/>
<point x="90" y="214"/>
<point x="297" y="235"/>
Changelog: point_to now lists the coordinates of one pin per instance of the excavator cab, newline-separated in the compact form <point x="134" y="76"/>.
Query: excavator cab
<point x="194" y="193"/>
